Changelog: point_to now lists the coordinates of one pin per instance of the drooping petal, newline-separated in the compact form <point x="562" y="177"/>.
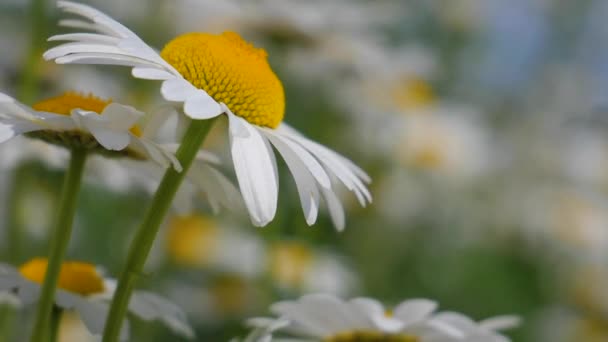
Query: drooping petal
<point x="255" y="171"/>
<point x="336" y="211"/>
<point x="305" y="183"/>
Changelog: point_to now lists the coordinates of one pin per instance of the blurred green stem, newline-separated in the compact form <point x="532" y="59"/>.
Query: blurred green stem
<point x="59" y="242"/>
<point x="6" y="322"/>
<point x="146" y="233"/>
<point x="14" y="229"/>
<point x="54" y="328"/>
<point x="27" y="88"/>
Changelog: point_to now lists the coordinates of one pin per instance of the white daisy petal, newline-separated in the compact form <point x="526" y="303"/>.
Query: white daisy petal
<point x="149" y="306"/>
<point x="81" y="24"/>
<point x="177" y="89"/>
<point x="414" y="310"/>
<point x="307" y="159"/>
<point x="500" y="322"/>
<point x="303" y="321"/>
<point x="75" y="48"/>
<point x="86" y="37"/>
<point x="201" y="106"/>
<point x="255" y="171"/>
<point x="151" y="74"/>
<point x="305" y="183"/>
<point x="336" y="211"/>
<point x="99" y="58"/>
<point x="96" y="16"/>
<point x="336" y="165"/>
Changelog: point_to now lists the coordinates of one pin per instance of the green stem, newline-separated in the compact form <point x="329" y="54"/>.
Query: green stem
<point x="146" y="233"/>
<point x="59" y="243"/>
<point x="55" y="320"/>
<point x="6" y="322"/>
<point x="27" y="88"/>
<point x="14" y="238"/>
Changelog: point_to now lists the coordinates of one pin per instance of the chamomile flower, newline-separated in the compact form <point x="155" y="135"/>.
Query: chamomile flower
<point x="83" y="289"/>
<point x="85" y="122"/>
<point x="320" y="317"/>
<point x="210" y="75"/>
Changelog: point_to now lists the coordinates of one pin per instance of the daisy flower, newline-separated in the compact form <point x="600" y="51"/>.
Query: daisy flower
<point x="321" y="317"/>
<point x="82" y="288"/>
<point x="210" y="75"/>
<point x="83" y="122"/>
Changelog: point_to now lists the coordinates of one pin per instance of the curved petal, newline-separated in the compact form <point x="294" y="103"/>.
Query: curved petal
<point x="305" y="183"/>
<point x="255" y="171"/>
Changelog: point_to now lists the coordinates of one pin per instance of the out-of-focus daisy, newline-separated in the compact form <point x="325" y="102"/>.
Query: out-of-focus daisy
<point x="83" y="289"/>
<point x="296" y="266"/>
<point x="198" y="241"/>
<point x="219" y="298"/>
<point x="212" y="75"/>
<point x="325" y="318"/>
<point x="449" y="140"/>
<point x="83" y="122"/>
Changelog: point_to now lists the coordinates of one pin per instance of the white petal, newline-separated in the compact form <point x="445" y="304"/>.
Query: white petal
<point x="149" y="306"/>
<point x="177" y="89"/>
<point x="309" y="161"/>
<point x="75" y="48"/>
<point x="414" y="310"/>
<point x="336" y="211"/>
<point x="500" y="322"/>
<point x="8" y="132"/>
<point x="255" y="171"/>
<point x="96" y="16"/>
<point x="101" y="58"/>
<point x="302" y="320"/>
<point x="201" y="106"/>
<point x="335" y="163"/>
<point x="85" y="25"/>
<point x="151" y="73"/>
<point x="119" y="116"/>
<point x="94" y="313"/>
<point x="307" y="189"/>
<point x="86" y="37"/>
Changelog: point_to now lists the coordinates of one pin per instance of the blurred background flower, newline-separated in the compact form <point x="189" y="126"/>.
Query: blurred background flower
<point x="481" y="122"/>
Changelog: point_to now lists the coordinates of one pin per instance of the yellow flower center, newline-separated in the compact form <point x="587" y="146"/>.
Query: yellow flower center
<point x="77" y="277"/>
<point x="412" y="94"/>
<point x="191" y="240"/>
<point x="370" y="336"/>
<point x="231" y="71"/>
<point x="64" y="104"/>
<point x="290" y="263"/>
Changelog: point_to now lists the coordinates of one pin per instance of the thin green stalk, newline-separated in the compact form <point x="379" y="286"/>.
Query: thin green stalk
<point x="146" y="233"/>
<point x="7" y="313"/>
<point x="37" y="15"/>
<point x="59" y="243"/>
<point x="55" y="320"/>
<point x="14" y="233"/>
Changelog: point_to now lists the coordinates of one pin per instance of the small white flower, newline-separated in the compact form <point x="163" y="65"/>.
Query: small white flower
<point x="84" y="122"/>
<point x="81" y="288"/>
<point x="210" y="75"/>
<point x="321" y="317"/>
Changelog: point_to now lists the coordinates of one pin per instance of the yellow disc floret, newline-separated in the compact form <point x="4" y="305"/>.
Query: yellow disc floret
<point x="231" y="71"/>
<point x="77" y="277"/>
<point x="64" y="104"/>
<point x="370" y="336"/>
